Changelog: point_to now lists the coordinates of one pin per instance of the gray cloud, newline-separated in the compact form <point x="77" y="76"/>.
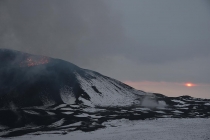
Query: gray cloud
<point x="190" y="70"/>
<point x="71" y="30"/>
<point x="164" y="31"/>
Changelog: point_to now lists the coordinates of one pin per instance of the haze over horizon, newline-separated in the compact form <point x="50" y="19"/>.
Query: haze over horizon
<point x="156" y="46"/>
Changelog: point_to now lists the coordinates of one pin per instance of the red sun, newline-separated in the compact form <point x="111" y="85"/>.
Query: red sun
<point x="189" y="85"/>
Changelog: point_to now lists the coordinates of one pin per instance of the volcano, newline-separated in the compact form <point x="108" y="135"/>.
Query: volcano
<point x="30" y="80"/>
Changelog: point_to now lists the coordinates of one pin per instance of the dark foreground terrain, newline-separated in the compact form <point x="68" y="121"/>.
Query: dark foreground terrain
<point x="65" y="118"/>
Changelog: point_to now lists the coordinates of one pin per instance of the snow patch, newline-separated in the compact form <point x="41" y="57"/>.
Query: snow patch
<point x="178" y="101"/>
<point x="68" y="113"/>
<point x="56" y="124"/>
<point x="183" y="105"/>
<point x="31" y="112"/>
<point x="162" y="103"/>
<point x="82" y="115"/>
<point x="50" y="113"/>
<point x="75" y="124"/>
<point x="177" y="111"/>
<point x="207" y="104"/>
<point x="93" y="110"/>
<point x="161" y="112"/>
<point x="67" y="95"/>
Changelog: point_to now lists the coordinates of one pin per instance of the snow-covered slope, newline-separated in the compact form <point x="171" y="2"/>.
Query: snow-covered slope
<point x="104" y="91"/>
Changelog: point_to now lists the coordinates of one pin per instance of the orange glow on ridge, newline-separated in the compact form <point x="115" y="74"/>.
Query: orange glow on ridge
<point x="30" y="61"/>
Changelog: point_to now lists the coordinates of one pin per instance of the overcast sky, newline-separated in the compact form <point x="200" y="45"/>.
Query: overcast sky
<point x="155" y="46"/>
